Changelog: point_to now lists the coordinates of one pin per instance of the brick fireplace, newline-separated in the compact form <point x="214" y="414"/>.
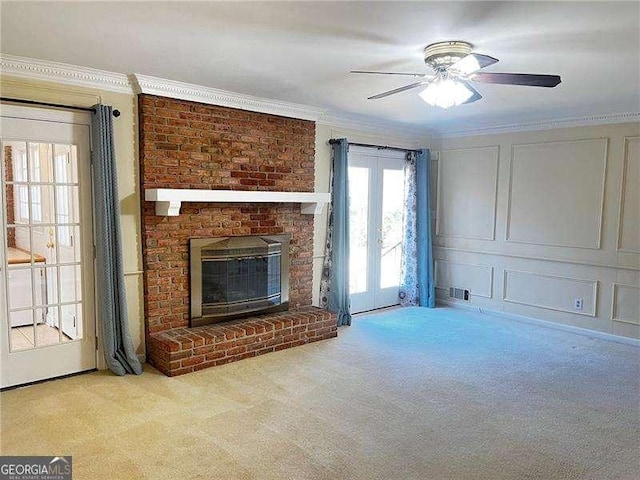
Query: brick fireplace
<point x="190" y="145"/>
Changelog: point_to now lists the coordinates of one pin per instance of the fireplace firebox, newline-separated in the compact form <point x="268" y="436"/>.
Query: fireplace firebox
<point x="232" y="277"/>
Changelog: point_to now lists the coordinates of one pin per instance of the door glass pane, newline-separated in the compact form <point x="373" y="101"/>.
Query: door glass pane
<point x="69" y="244"/>
<point x="358" y="228"/>
<point x="15" y="161"/>
<point x="22" y="330"/>
<point x="67" y="206"/>
<point x="52" y="314"/>
<point x="18" y="245"/>
<point x="71" y="322"/>
<point x="39" y="284"/>
<point x="19" y="286"/>
<point x="70" y="285"/>
<point x="22" y="243"/>
<point x="391" y="228"/>
<point x="50" y="283"/>
<point x="64" y="163"/>
<point x="18" y="211"/>
<point x="47" y="334"/>
<point x="44" y="278"/>
<point x="39" y="162"/>
<point x="44" y="244"/>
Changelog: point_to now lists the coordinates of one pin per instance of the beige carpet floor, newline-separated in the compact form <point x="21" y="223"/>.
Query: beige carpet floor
<point x="403" y="394"/>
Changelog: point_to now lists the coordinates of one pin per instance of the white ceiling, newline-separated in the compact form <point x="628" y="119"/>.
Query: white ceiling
<point x="302" y="51"/>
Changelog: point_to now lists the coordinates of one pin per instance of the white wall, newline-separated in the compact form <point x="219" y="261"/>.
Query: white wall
<point x="531" y="221"/>
<point x="323" y="174"/>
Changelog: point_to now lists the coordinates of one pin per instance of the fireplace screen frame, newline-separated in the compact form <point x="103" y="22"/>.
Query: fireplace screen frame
<point x="196" y="247"/>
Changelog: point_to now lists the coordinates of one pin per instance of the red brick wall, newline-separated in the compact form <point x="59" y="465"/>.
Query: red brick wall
<point x="191" y="145"/>
<point x="11" y="201"/>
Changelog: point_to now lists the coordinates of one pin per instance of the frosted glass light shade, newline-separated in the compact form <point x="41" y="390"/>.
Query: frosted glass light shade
<point x="446" y="93"/>
<point x="467" y="65"/>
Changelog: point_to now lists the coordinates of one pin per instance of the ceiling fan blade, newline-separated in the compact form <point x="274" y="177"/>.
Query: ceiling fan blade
<point x="526" y="79"/>
<point x="390" y="73"/>
<point x="472" y="63"/>
<point x="398" y="90"/>
<point x="473" y="98"/>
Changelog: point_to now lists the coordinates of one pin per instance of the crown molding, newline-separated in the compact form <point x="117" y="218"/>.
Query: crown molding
<point x="224" y="98"/>
<point x="23" y="67"/>
<point x="351" y="122"/>
<point x="606" y="119"/>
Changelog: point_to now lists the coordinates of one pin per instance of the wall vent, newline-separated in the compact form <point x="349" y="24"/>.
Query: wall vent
<point x="459" y="293"/>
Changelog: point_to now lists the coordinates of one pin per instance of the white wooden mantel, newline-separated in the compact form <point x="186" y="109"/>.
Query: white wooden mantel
<point x="169" y="200"/>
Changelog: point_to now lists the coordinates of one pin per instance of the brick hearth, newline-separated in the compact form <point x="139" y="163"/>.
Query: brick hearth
<point x="184" y="350"/>
<point x="191" y="145"/>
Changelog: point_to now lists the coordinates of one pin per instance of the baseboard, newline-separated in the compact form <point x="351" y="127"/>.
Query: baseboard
<point x="547" y="324"/>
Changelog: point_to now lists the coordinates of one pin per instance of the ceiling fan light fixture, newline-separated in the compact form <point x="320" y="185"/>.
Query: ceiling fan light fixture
<point x="467" y="65"/>
<point x="445" y="93"/>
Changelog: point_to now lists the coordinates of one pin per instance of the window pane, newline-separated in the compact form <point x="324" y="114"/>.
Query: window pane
<point x="391" y="231"/>
<point x="358" y="228"/>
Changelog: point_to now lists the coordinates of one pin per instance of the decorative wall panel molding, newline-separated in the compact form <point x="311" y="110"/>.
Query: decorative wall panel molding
<point x="551" y="292"/>
<point x="477" y="278"/>
<point x="625" y="305"/>
<point x="629" y="219"/>
<point x="544" y="323"/>
<point x="538" y="258"/>
<point x="556" y="193"/>
<point x="475" y="172"/>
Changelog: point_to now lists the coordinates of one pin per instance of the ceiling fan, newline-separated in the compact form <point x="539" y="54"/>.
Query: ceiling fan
<point x="455" y="67"/>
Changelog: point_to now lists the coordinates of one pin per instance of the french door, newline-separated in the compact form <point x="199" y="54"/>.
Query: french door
<point x="376" y="199"/>
<point x="47" y="320"/>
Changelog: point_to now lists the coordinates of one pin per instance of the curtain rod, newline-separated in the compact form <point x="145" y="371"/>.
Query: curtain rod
<point x="116" y="113"/>
<point x="379" y="147"/>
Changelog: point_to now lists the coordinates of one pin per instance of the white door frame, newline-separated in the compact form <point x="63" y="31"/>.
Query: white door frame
<point x="22" y="366"/>
<point x="375" y="160"/>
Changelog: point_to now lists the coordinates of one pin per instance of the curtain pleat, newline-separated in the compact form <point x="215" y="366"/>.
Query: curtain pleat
<point x="409" y="267"/>
<point x="112" y="305"/>
<point x="426" y="284"/>
<point x="334" y="288"/>
<point x="417" y="285"/>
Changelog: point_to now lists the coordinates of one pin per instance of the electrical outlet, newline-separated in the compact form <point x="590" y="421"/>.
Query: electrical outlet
<point x="577" y="303"/>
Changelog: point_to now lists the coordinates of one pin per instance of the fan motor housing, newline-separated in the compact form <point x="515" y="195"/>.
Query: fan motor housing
<point x="441" y="55"/>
